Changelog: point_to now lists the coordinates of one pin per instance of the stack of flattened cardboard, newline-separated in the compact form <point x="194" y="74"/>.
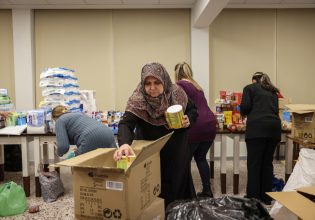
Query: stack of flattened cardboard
<point x="303" y="121"/>
<point x="102" y="191"/>
<point x="300" y="202"/>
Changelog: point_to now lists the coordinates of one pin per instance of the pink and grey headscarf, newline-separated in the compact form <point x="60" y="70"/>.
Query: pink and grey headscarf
<point x="151" y="109"/>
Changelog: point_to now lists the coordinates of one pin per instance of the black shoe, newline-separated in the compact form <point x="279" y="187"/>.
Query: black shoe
<point x="267" y="202"/>
<point x="205" y="193"/>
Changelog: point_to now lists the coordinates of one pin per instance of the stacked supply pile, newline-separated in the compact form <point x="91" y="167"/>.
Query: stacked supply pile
<point x="36" y="122"/>
<point x="6" y="104"/>
<point x="60" y="87"/>
<point x="228" y="111"/>
<point x="108" y="118"/>
<point x="16" y="118"/>
<point x="113" y="118"/>
<point x="284" y="114"/>
<point x="88" y="101"/>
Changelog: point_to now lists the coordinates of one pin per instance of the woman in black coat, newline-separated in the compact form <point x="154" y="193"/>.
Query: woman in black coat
<point x="144" y="119"/>
<point x="263" y="133"/>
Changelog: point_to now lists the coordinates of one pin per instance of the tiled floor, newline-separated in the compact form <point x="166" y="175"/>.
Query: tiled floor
<point x="63" y="208"/>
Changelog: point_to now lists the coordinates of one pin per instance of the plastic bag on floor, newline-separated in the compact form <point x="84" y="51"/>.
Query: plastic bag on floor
<point x="303" y="175"/>
<point x="12" y="199"/>
<point x="51" y="185"/>
<point x="224" y="208"/>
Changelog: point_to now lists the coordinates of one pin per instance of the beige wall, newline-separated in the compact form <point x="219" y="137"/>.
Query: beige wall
<point x="142" y="36"/>
<point x="6" y="53"/>
<point x="296" y="54"/>
<point x="241" y="43"/>
<point x="278" y="42"/>
<point x="107" y="48"/>
<point x="80" y="40"/>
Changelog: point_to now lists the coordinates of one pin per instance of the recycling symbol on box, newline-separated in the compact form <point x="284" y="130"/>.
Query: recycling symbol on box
<point x="108" y="213"/>
<point x="156" y="189"/>
<point x="117" y="213"/>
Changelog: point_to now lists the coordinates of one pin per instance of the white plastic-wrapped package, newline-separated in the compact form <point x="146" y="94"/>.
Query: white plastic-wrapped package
<point x="57" y="71"/>
<point x="303" y="175"/>
<point x="60" y="87"/>
<point x="88" y="101"/>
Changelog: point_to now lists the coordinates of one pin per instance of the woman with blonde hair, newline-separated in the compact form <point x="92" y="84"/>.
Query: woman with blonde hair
<point x="203" y="131"/>
<point x="74" y="128"/>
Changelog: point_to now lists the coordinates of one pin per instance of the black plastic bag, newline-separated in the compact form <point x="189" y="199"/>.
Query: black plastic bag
<point x="223" y="208"/>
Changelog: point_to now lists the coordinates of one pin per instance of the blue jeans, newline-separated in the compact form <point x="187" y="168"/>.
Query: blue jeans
<point x="199" y="152"/>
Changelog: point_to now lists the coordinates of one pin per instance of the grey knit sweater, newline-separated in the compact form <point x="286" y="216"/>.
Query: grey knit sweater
<point x="84" y="132"/>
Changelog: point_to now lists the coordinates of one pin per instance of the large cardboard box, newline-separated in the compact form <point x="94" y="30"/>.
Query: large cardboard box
<point x="155" y="211"/>
<point x="102" y="191"/>
<point x="300" y="202"/>
<point x="303" y="121"/>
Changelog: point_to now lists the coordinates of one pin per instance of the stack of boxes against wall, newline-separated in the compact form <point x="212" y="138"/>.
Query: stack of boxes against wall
<point x="228" y="111"/>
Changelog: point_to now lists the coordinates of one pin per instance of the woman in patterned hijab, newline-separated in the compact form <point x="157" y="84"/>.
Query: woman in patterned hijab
<point x="151" y="109"/>
<point x="144" y="120"/>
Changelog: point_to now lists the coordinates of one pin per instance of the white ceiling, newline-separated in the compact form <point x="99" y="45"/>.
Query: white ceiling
<point x="271" y="4"/>
<point x="99" y="4"/>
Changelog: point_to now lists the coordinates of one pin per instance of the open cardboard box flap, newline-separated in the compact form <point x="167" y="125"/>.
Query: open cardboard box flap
<point x="148" y="148"/>
<point x="301" y="108"/>
<point x="297" y="202"/>
<point x="103" y="157"/>
<point x="309" y="190"/>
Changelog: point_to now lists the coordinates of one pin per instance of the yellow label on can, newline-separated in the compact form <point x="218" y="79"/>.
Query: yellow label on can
<point x="125" y="162"/>
<point x="174" y="116"/>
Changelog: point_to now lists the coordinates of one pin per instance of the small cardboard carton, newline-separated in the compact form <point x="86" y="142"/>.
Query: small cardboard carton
<point x="303" y="121"/>
<point x="300" y="202"/>
<point x="102" y="191"/>
<point x="155" y="211"/>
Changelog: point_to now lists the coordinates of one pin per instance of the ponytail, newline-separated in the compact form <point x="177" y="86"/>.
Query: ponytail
<point x="265" y="82"/>
<point x="183" y="71"/>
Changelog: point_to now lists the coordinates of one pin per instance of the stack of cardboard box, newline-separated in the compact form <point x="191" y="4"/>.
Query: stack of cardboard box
<point x="102" y="191"/>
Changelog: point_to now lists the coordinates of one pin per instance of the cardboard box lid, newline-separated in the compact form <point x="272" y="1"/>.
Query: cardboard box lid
<point x="148" y="148"/>
<point x="301" y="108"/>
<point x="103" y="157"/>
<point x="308" y="190"/>
<point x="297" y="203"/>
